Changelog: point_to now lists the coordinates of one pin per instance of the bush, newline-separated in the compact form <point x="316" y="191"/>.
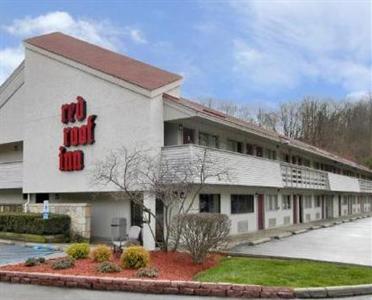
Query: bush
<point x="108" y="267"/>
<point x="101" y="253"/>
<point x="135" y="257"/>
<point x="41" y="260"/>
<point x="32" y="223"/>
<point x="34" y="261"/>
<point x="63" y="263"/>
<point x="150" y="272"/>
<point x="78" y="250"/>
<point x="202" y="232"/>
<point x="131" y="243"/>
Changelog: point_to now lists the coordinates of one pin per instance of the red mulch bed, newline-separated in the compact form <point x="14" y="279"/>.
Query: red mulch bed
<point x="171" y="266"/>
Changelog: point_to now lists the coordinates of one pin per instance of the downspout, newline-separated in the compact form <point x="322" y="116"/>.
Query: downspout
<point x="26" y="205"/>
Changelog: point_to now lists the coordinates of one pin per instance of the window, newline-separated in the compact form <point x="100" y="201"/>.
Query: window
<point x="208" y="140"/>
<point x="209" y="203"/>
<point x="271" y="154"/>
<point x="188" y="136"/>
<point x="259" y="151"/>
<point x="308" y="201"/>
<point x="242" y="204"/>
<point x="234" y="146"/>
<point x="249" y="149"/>
<point x="344" y="200"/>
<point x="286" y="201"/>
<point x="318" y="201"/>
<point x="306" y="162"/>
<point x="272" y="202"/>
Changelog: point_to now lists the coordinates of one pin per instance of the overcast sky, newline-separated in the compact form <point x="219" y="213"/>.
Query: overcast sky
<point x="259" y="52"/>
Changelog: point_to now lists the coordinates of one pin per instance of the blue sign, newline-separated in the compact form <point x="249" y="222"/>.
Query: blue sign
<point x="46" y="210"/>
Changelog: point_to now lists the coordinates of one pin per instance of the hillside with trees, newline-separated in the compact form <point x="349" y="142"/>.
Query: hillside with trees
<point x="340" y="127"/>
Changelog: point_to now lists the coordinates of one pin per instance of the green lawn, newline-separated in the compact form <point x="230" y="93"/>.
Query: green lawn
<point x="290" y="273"/>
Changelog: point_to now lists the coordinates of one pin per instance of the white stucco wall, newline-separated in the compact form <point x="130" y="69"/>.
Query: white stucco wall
<point x="124" y="118"/>
<point x="12" y="102"/>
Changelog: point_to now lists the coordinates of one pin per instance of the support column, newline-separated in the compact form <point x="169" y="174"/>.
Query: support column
<point x="149" y="202"/>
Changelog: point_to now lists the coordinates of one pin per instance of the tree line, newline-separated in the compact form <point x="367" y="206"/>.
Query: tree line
<point x="340" y="127"/>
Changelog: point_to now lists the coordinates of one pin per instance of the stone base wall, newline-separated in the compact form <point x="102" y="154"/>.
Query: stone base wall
<point x="80" y="214"/>
<point x="149" y="285"/>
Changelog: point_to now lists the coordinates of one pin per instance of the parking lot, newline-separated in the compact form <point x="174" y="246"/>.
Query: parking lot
<point x="347" y="243"/>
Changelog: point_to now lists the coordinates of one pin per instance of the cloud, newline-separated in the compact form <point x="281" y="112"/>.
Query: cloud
<point x="137" y="36"/>
<point x="288" y="43"/>
<point x="99" y="32"/>
<point x="10" y="58"/>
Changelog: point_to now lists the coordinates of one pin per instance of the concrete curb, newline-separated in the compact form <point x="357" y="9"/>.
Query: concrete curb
<point x="259" y="241"/>
<point x="334" y="291"/>
<point x="283" y="235"/>
<point x="300" y="231"/>
<point x="148" y="285"/>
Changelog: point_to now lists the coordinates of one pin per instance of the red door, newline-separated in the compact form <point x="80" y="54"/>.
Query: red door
<point x="295" y="209"/>
<point x="261" y="212"/>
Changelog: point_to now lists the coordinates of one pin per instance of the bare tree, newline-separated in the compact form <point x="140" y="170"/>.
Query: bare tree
<point x="176" y="183"/>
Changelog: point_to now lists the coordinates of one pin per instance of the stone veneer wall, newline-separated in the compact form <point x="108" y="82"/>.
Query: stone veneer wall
<point x="80" y="214"/>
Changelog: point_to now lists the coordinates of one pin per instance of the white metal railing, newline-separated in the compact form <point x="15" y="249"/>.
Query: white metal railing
<point x="295" y="176"/>
<point x="365" y="185"/>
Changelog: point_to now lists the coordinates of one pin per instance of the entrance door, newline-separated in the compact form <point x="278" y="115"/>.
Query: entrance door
<point x="339" y="206"/>
<point x="301" y="208"/>
<point x="323" y="208"/>
<point x="295" y="209"/>
<point x="329" y="207"/>
<point x="261" y="212"/>
<point x="350" y="205"/>
<point x="136" y="214"/>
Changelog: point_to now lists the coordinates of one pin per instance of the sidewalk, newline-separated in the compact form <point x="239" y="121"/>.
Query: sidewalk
<point x="267" y="235"/>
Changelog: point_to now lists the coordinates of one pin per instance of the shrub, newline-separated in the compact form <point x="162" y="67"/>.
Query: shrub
<point x="78" y="250"/>
<point x="108" y="267"/>
<point x="33" y="223"/>
<point x="131" y="243"/>
<point x="41" y="259"/>
<point x="150" y="272"/>
<point x="135" y="257"/>
<point x="34" y="261"/>
<point x="202" y="232"/>
<point x="63" y="263"/>
<point x="101" y="253"/>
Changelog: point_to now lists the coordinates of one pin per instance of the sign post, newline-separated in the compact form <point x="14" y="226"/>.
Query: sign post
<point x="45" y="209"/>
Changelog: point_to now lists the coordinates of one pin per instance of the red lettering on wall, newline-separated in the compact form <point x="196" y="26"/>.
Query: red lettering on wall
<point x="71" y="160"/>
<point x="90" y="132"/>
<point x="81" y="109"/>
<point x="75" y="136"/>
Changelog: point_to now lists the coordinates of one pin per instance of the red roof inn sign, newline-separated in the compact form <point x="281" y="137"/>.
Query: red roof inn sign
<point x="76" y="135"/>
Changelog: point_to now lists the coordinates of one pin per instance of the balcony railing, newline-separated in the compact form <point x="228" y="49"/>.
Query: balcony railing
<point x="242" y="169"/>
<point x="11" y="175"/>
<point x="302" y="177"/>
<point x="365" y="186"/>
<point x="247" y="170"/>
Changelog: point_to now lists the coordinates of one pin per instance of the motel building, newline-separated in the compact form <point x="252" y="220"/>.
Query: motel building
<point x="69" y="103"/>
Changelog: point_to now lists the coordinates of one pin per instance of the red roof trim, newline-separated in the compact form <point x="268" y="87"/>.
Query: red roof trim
<point x="105" y="61"/>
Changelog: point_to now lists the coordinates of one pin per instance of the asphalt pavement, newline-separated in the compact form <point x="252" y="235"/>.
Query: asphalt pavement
<point x="348" y="243"/>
